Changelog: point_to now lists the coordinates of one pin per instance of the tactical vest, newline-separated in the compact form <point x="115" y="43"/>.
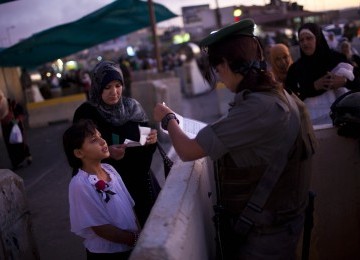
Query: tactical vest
<point x="289" y="197"/>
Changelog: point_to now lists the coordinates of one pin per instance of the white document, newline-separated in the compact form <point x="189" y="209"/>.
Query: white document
<point x="144" y="132"/>
<point x="190" y="126"/>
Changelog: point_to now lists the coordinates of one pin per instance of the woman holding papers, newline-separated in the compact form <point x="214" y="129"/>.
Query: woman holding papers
<point x="119" y="118"/>
<point x="262" y="139"/>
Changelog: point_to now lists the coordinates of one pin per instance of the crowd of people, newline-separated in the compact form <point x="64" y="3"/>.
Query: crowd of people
<point x="262" y="148"/>
<point x="320" y="75"/>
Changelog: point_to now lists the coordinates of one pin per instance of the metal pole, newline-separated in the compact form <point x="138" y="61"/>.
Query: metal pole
<point x="8" y="33"/>
<point x="155" y="40"/>
<point x="217" y="15"/>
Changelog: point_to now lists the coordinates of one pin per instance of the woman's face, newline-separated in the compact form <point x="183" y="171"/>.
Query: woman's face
<point x="283" y="61"/>
<point x="229" y="78"/>
<point x="112" y="92"/>
<point x="345" y="48"/>
<point x="307" y="42"/>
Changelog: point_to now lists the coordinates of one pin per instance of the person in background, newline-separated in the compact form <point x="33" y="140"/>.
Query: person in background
<point x="13" y="113"/>
<point x="118" y="118"/>
<point x="264" y="137"/>
<point x="312" y="74"/>
<point x="25" y="79"/>
<point x="127" y="74"/>
<point x="353" y="59"/>
<point x="101" y="208"/>
<point x="86" y="82"/>
<point x="332" y="41"/>
<point x="280" y="60"/>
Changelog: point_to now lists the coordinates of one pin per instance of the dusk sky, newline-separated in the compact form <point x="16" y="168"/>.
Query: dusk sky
<point x="22" y="18"/>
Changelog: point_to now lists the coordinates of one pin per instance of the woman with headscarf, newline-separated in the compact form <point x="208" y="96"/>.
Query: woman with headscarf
<point x="312" y="74"/>
<point x="12" y="113"/>
<point x="280" y="61"/>
<point x="346" y="49"/>
<point x="118" y="118"/>
<point x="251" y="146"/>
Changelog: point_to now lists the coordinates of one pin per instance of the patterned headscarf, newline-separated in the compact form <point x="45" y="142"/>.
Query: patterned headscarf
<point x="127" y="109"/>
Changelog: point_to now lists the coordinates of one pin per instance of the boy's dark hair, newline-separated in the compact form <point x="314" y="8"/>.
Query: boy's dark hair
<point x="73" y="138"/>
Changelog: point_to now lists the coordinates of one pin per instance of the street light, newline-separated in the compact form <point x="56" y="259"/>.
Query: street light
<point x="8" y="33"/>
<point x="237" y="13"/>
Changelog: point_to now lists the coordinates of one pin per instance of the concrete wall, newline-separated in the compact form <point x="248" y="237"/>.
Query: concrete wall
<point x="150" y="92"/>
<point x="180" y="225"/>
<point x="336" y="182"/>
<point x="16" y="237"/>
<point x="54" y="110"/>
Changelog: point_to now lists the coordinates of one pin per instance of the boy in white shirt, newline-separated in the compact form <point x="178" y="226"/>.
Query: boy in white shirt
<point x="101" y="209"/>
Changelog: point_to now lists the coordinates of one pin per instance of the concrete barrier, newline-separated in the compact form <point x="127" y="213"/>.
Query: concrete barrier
<point x="16" y="237"/>
<point x="336" y="182"/>
<point x="149" y="92"/>
<point x="54" y="110"/>
<point x="180" y="225"/>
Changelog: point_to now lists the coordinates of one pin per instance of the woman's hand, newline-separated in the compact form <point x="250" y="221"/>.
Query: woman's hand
<point x="152" y="137"/>
<point x="117" y="151"/>
<point x="160" y="111"/>
<point x="330" y="81"/>
<point x="337" y="81"/>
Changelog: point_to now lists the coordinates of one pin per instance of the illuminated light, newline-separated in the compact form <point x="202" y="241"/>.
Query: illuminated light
<point x="48" y="74"/>
<point x="71" y="65"/>
<point x="99" y="58"/>
<point x="35" y="77"/>
<point x="181" y="38"/>
<point x="183" y="57"/>
<point x="60" y="64"/>
<point x="186" y="37"/>
<point x="58" y="75"/>
<point x="195" y="48"/>
<point x="237" y="13"/>
<point x="130" y="51"/>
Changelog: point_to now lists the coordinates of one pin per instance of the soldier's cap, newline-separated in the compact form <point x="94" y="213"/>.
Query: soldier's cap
<point x="243" y="27"/>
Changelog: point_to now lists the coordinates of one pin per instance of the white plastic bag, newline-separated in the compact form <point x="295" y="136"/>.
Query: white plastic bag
<point x="15" y="135"/>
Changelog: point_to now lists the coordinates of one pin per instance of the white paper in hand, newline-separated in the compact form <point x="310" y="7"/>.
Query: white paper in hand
<point x="144" y="132"/>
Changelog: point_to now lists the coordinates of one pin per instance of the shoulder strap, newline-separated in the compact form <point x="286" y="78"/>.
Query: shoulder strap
<point x="254" y="208"/>
<point x="168" y="163"/>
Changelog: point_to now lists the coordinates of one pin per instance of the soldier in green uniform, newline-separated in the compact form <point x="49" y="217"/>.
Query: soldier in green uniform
<point x="262" y="147"/>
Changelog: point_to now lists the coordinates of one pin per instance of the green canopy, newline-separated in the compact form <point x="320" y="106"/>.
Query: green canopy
<point x="118" y="18"/>
<point x="6" y="1"/>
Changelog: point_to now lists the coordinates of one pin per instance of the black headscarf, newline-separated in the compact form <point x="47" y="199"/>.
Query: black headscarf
<point x="307" y="69"/>
<point x="322" y="48"/>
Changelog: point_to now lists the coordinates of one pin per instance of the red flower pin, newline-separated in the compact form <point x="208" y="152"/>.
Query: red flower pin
<point x="100" y="185"/>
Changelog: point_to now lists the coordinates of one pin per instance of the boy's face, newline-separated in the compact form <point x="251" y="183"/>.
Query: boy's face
<point x="94" y="148"/>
